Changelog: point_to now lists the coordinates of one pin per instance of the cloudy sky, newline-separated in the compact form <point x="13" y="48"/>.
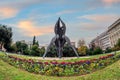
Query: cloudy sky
<point x="84" y="19"/>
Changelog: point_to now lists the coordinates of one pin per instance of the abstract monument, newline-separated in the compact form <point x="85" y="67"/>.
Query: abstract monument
<point x="60" y="39"/>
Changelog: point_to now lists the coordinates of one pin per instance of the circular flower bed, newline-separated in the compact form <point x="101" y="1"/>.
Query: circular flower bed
<point x="55" y="68"/>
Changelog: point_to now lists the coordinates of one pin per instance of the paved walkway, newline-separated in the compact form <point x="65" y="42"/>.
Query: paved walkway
<point x="56" y="58"/>
<point x="63" y="58"/>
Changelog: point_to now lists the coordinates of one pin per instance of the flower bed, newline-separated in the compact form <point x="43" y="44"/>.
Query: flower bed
<point x="55" y="68"/>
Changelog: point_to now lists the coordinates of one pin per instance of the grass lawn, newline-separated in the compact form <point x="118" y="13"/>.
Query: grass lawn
<point x="8" y="72"/>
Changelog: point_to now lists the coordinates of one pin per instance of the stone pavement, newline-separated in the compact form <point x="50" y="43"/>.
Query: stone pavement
<point x="56" y="58"/>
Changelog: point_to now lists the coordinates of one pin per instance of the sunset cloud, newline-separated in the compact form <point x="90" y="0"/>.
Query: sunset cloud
<point x="30" y="29"/>
<point x="9" y="9"/>
<point x="100" y="17"/>
<point x="98" y="21"/>
<point x="7" y="12"/>
<point x="110" y="2"/>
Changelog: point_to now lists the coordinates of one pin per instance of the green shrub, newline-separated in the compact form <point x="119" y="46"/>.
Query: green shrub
<point x="35" y="51"/>
<point x="97" y="51"/>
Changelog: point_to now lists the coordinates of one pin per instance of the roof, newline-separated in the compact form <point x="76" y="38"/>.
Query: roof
<point x="114" y="24"/>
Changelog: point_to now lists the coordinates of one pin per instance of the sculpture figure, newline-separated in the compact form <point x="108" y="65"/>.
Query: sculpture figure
<point x="60" y="39"/>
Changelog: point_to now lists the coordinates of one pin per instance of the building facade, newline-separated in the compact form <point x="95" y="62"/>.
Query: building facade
<point x="104" y="41"/>
<point x="101" y="41"/>
<point x="114" y="32"/>
<point x="73" y="44"/>
<point x="108" y="38"/>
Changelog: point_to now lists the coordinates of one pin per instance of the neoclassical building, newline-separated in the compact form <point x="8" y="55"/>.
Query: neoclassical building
<point x="114" y="32"/>
<point x="102" y="41"/>
<point x="108" y="38"/>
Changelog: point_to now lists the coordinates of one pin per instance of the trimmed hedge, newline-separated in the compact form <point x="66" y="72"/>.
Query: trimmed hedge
<point x="55" y="68"/>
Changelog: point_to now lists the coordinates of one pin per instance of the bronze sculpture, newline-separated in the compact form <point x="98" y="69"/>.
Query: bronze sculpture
<point x="60" y="39"/>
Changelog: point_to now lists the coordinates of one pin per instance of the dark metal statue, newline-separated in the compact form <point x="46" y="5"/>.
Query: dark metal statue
<point x="60" y="39"/>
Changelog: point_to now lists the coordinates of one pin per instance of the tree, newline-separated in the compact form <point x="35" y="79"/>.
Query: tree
<point x="34" y="40"/>
<point x="108" y="50"/>
<point x="118" y="43"/>
<point x="37" y="43"/>
<point x="21" y="47"/>
<point x="94" y="50"/>
<point x="68" y="51"/>
<point x="117" y="46"/>
<point x="35" y="51"/>
<point x="52" y="52"/>
<point x="18" y="45"/>
<point x="82" y="50"/>
<point x="5" y="36"/>
<point x="11" y="48"/>
<point x="97" y="50"/>
<point x="42" y="51"/>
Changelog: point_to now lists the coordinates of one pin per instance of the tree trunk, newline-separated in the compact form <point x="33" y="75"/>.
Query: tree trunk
<point x="1" y="45"/>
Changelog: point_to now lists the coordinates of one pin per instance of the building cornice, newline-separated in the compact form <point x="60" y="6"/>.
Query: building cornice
<point x="114" y="24"/>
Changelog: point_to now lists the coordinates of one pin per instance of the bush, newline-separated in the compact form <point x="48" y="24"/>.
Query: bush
<point x="35" y="51"/>
<point x="82" y="50"/>
<point x="108" y="50"/>
<point x="52" y="52"/>
<point x="68" y="51"/>
<point x="26" y="52"/>
<point x="42" y="51"/>
<point x="12" y="48"/>
<point x="97" y="51"/>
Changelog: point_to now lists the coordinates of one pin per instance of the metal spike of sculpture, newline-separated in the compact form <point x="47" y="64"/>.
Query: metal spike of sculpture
<point x="60" y="39"/>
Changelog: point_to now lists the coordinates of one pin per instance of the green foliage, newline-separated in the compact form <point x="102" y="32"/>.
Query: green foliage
<point x="68" y="51"/>
<point x="21" y="47"/>
<point x="12" y="48"/>
<point x="117" y="46"/>
<point x="34" y="40"/>
<point x="108" y="50"/>
<point x="42" y="51"/>
<point x="35" y="51"/>
<point x="18" y="45"/>
<point x="82" y="50"/>
<point x="118" y="42"/>
<point x="97" y="50"/>
<point x="27" y="51"/>
<point x="5" y="36"/>
<point x="37" y="43"/>
<point x="52" y="52"/>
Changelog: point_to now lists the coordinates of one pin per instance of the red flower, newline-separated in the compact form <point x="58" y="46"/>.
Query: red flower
<point x="40" y="62"/>
<point x="46" y="63"/>
<point x="63" y="63"/>
<point x="54" y="63"/>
